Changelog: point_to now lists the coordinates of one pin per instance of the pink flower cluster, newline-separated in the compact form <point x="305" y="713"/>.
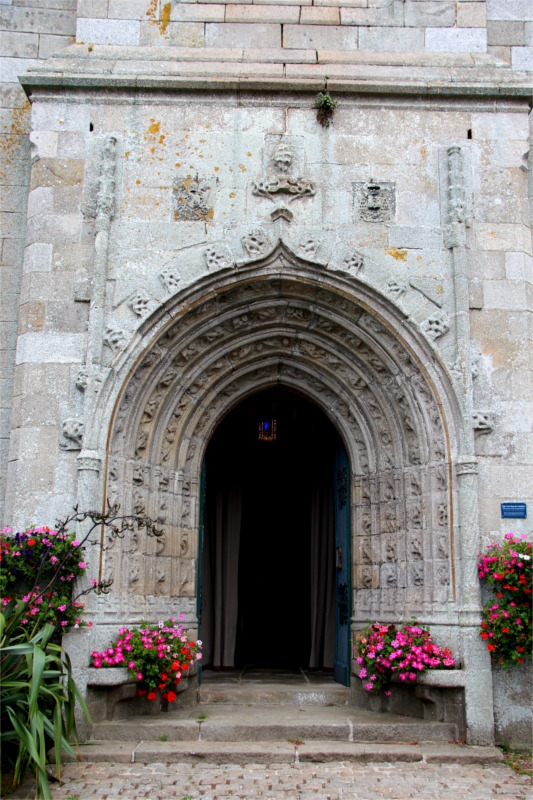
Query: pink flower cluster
<point x="384" y="651"/>
<point x="156" y="655"/>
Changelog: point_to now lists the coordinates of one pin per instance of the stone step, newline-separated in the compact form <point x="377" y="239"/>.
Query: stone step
<point x="242" y="753"/>
<point x="327" y="694"/>
<point x="277" y="723"/>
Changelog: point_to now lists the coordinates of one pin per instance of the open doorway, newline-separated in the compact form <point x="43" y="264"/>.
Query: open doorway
<point x="268" y="569"/>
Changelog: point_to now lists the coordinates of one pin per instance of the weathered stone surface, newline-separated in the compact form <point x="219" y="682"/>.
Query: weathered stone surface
<point x="182" y="187"/>
<point x="466" y="40"/>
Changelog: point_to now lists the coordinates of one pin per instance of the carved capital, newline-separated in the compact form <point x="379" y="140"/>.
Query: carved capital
<point x="90" y="461"/>
<point x="466" y="466"/>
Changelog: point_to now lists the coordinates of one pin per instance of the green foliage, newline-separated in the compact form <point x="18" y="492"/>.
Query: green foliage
<point x="325" y="101"/>
<point x="507" y="625"/>
<point x="37" y="690"/>
<point x="326" y="105"/>
<point x="38" y="699"/>
<point x="42" y="557"/>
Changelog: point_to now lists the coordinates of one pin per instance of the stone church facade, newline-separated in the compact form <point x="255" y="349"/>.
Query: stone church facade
<point x="182" y="234"/>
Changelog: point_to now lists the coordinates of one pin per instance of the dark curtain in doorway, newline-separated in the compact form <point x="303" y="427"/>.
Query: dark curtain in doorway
<point x="322" y="576"/>
<point x="220" y="573"/>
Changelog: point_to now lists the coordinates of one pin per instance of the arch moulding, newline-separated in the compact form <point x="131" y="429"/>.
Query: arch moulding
<point x="281" y="320"/>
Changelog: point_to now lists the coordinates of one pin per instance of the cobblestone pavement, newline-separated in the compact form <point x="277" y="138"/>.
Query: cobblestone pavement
<point x="307" y="781"/>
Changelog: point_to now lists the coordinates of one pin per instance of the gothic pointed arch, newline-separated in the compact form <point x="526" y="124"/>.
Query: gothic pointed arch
<point x="281" y="320"/>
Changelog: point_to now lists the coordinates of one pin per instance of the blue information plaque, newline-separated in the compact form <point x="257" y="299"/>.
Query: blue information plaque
<point x="514" y="510"/>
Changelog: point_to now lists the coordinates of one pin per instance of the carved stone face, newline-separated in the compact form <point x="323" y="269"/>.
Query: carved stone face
<point x="283" y="158"/>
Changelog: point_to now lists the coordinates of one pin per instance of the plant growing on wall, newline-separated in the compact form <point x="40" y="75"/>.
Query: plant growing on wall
<point x="157" y="656"/>
<point x="38" y="568"/>
<point x="385" y="651"/>
<point x="326" y="105"/>
<point x="506" y="625"/>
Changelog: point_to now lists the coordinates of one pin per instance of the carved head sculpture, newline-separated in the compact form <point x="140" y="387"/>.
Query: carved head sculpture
<point x="282" y="158"/>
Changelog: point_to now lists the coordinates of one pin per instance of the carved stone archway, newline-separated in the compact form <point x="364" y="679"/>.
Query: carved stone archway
<point x="284" y="321"/>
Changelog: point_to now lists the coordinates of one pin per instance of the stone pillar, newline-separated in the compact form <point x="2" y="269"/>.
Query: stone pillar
<point x="478" y="687"/>
<point x="90" y="499"/>
<point x="478" y="673"/>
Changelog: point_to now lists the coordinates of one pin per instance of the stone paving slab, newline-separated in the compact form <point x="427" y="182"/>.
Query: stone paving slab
<point x="306" y="781"/>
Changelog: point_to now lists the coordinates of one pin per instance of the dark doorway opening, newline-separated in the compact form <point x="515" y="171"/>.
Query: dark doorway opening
<point x="268" y="572"/>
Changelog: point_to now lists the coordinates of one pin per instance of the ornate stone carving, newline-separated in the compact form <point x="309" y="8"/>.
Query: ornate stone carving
<point x="366" y="577"/>
<point x="455" y="229"/>
<point x="141" y="303"/>
<point x="354" y="262"/>
<point x="396" y="289"/>
<point x="138" y="501"/>
<point x="442" y="546"/>
<point x="256" y="243"/>
<point x="115" y="338"/>
<point x="138" y="473"/>
<point x="442" y="514"/>
<point x="456" y="187"/>
<point x="170" y="278"/>
<point x="417" y="574"/>
<point x="305" y="339"/>
<point x="442" y="574"/>
<point x="436" y="326"/>
<point x="389" y="576"/>
<point x="218" y="256"/>
<point x="374" y="202"/>
<point x="483" y="421"/>
<point x="280" y="181"/>
<point x="190" y="199"/>
<point x="72" y="430"/>
<point x="82" y="379"/>
<point x="308" y="247"/>
<point x="414" y="548"/>
<point x="105" y="199"/>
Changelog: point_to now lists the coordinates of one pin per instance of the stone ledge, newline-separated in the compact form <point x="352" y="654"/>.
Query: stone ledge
<point x="269" y="76"/>
<point x="110" y="676"/>
<point x="438" y="678"/>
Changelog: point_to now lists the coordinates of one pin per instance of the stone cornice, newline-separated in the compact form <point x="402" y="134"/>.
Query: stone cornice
<point x="211" y="69"/>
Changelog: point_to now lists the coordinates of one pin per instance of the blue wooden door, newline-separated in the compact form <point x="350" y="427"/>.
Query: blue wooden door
<point x="343" y="568"/>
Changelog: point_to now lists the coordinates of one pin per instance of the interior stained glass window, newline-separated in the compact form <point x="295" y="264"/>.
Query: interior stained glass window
<point x="268" y="430"/>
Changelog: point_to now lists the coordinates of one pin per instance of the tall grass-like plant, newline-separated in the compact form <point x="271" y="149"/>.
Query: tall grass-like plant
<point x="37" y="691"/>
<point x="38" y="699"/>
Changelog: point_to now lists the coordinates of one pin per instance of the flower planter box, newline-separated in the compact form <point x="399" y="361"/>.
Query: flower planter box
<point x="444" y="678"/>
<point x="436" y="694"/>
<point x="112" y="694"/>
